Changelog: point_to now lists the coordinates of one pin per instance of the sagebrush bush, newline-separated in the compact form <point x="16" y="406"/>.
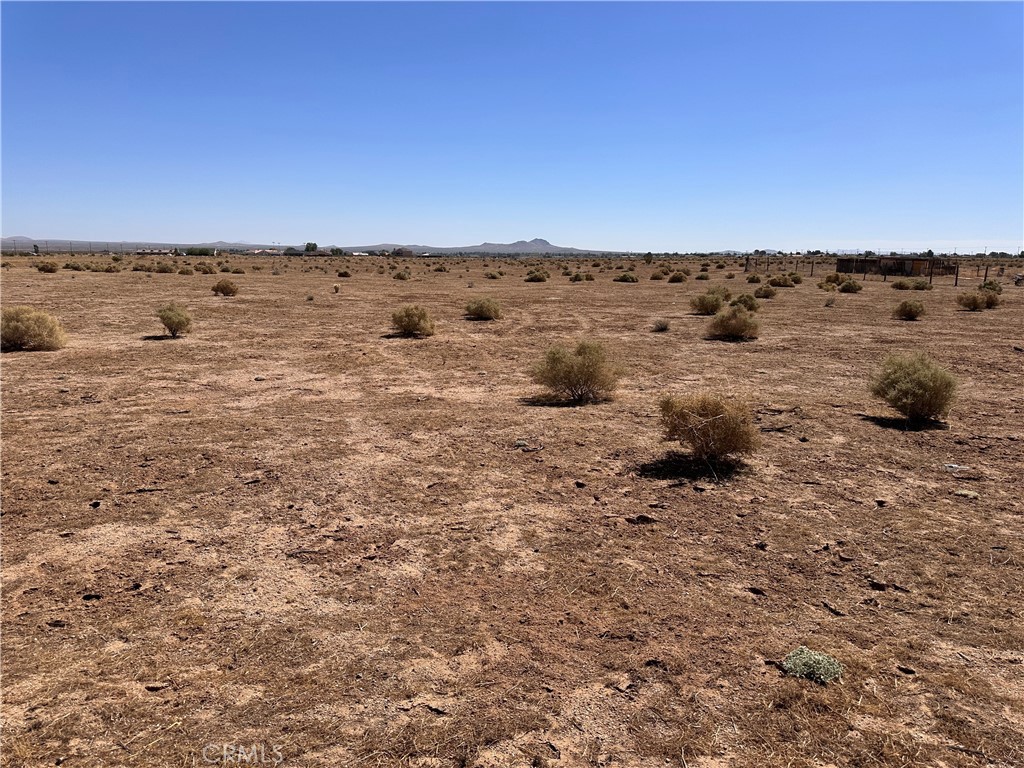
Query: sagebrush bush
<point x="835" y="278"/>
<point x="205" y="269"/>
<point x="753" y="278"/>
<point x="677" y="277"/>
<point x="765" y="292"/>
<point x="483" y="309"/>
<point x="186" y="271"/>
<point x="991" y="299"/>
<point x="721" y="291"/>
<point x="412" y="320"/>
<point x="733" y="324"/>
<point x="27" y="329"/>
<point x="921" y="285"/>
<point x="537" y="276"/>
<point x="908" y="310"/>
<point x="583" y="375"/>
<point x="225" y="287"/>
<point x="660" y="326"/>
<point x="782" y="281"/>
<point x="713" y="426"/>
<point x="973" y="301"/>
<point x="626" y="277"/>
<point x="901" y="285"/>
<point x="850" y="286"/>
<point x="916" y="386"/>
<point x="703" y="276"/>
<point x="746" y="301"/>
<point x="176" y="319"/>
<point x="659" y="275"/>
<point x="991" y="285"/>
<point x="812" y="665"/>
<point x="402" y="275"/>
<point x="830" y="301"/>
<point x="706" y="303"/>
<point x="47" y="266"/>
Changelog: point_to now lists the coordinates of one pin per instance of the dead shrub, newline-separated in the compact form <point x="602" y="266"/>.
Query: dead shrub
<point x="583" y="375"/>
<point x="176" y="319"/>
<point x="412" y="320"/>
<point x="26" y="329"/>
<point x="225" y="287"/>
<point x="660" y="326"/>
<point x="483" y="309"/>
<point x="713" y="426"/>
<point x="916" y="386"/>
<point x="908" y="310"/>
<point x="733" y="324"/>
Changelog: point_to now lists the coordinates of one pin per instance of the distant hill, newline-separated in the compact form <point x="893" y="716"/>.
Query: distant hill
<point x="535" y="246"/>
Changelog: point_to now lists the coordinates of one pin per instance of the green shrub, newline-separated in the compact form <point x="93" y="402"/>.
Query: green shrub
<point x="225" y="287"/>
<point x="973" y="301"/>
<point x="677" y="277"/>
<point x="30" y="330"/>
<point x="850" y="286"/>
<point x="706" y="303"/>
<point x="713" y="426"/>
<point x="908" y="310"/>
<point x="795" y="278"/>
<point x="765" y="292"/>
<point x="582" y="375"/>
<point x="626" y="277"/>
<point x="537" y="275"/>
<point x="733" y="324"/>
<point x="746" y="301"/>
<point x="48" y="267"/>
<point x="916" y="386"/>
<point x="991" y="285"/>
<point x="483" y="309"/>
<point x="176" y="319"/>
<point x="901" y="285"/>
<point x="412" y="320"/>
<point x="812" y="665"/>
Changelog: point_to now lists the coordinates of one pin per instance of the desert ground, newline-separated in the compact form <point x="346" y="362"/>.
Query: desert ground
<point x="292" y="538"/>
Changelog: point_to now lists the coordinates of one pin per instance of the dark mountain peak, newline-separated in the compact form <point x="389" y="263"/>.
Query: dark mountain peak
<point x="539" y="241"/>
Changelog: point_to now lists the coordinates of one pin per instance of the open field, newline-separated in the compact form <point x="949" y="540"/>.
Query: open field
<point x="292" y="531"/>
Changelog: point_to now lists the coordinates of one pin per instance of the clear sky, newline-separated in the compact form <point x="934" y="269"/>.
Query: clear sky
<point x="659" y="126"/>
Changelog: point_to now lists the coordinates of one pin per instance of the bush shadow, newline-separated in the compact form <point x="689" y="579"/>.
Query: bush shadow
<point x="684" y="467"/>
<point x="160" y="337"/>
<point x="553" y="401"/>
<point x="904" y="424"/>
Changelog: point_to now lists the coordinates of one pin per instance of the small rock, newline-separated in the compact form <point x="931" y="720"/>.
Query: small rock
<point x="880" y="502"/>
<point x="259" y="378"/>
<point x="154" y="687"/>
<point x="520" y="444"/>
<point x="94" y="504"/>
<point x="92" y="596"/>
<point x="580" y="484"/>
<point x="641" y="519"/>
<point x="966" y="493"/>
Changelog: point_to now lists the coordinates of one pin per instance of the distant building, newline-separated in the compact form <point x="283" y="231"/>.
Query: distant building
<point x="152" y="252"/>
<point x="902" y="266"/>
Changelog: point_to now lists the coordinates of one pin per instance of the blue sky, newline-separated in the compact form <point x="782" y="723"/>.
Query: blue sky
<point x="656" y="126"/>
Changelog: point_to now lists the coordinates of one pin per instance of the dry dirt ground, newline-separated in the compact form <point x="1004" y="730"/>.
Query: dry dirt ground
<point x="291" y="534"/>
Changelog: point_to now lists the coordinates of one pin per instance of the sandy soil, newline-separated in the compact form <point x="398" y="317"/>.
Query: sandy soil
<point x="291" y="533"/>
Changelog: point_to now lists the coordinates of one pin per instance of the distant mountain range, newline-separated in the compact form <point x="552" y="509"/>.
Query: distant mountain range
<point x="535" y="246"/>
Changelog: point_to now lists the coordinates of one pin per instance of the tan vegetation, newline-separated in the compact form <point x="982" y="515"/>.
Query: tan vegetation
<point x="582" y="375"/>
<point x="916" y="386"/>
<point x="26" y="329"/>
<point x="714" y="426"/>
<point x="412" y="320"/>
<point x="176" y="319"/>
